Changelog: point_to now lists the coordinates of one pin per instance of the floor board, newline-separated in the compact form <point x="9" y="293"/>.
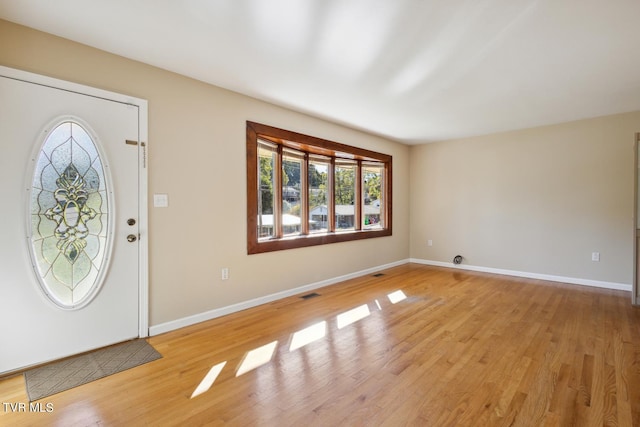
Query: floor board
<point x="462" y="348"/>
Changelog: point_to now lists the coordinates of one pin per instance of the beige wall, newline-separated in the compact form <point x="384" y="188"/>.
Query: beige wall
<point x="197" y="157"/>
<point x="537" y="201"/>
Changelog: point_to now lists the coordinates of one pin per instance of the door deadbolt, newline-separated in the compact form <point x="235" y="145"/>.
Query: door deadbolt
<point x="131" y="238"/>
<point x="131" y="221"/>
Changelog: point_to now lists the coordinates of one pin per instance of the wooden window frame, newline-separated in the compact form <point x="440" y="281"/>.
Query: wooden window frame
<point x="311" y="145"/>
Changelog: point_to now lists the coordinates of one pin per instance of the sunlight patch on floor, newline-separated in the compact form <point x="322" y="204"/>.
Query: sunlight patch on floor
<point x="353" y="315"/>
<point x="257" y="357"/>
<point x="396" y="296"/>
<point x="308" y="335"/>
<point x="208" y="379"/>
<point x="262" y="355"/>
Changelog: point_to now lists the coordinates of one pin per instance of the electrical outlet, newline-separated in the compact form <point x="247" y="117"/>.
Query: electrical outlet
<point x="429" y="242"/>
<point x="595" y="256"/>
<point x="225" y="273"/>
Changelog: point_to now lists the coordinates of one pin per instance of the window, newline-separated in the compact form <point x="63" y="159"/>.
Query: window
<point x="372" y="175"/>
<point x="345" y="194"/>
<point x="292" y="197"/>
<point x="70" y="208"/>
<point x="306" y="191"/>
<point x="266" y="198"/>
<point x="318" y="193"/>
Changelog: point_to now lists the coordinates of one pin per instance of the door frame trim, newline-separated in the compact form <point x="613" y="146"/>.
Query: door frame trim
<point x="635" y="299"/>
<point x="143" y="137"/>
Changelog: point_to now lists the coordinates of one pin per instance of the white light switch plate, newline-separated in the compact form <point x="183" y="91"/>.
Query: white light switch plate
<point x="160" y="200"/>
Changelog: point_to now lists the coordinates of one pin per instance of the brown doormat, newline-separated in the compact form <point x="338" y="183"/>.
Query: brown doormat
<point x="74" y="371"/>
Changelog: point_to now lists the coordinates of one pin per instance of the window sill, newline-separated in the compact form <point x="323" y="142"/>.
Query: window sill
<point x="271" y="245"/>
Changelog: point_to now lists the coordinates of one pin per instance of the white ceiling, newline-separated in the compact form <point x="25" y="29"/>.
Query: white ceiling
<point x="410" y="70"/>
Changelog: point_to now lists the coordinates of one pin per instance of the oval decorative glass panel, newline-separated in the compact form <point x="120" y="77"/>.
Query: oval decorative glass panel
<point x="69" y="210"/>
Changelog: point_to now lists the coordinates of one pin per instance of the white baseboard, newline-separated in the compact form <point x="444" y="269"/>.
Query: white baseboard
<point x="212" y="314"/>
<point x="218" y="312"/>
<point x="548" y="277"/>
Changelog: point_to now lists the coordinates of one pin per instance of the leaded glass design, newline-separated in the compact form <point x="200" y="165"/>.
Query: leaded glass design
<point x="69" y="216"/>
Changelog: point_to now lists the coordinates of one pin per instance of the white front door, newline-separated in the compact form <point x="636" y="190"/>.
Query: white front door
<point x="69" y="235"/>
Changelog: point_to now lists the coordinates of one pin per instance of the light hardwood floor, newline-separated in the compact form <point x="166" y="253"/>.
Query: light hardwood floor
<point x="462" y="349"/>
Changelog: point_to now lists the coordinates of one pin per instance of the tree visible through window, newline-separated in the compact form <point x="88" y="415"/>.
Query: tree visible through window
<point x="345" y="194"/>
<point x="318" y="193"/>
<point x="267" y="158"/>
<point x="304" y="191"/>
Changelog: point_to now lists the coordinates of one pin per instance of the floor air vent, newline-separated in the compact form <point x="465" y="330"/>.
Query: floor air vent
<point x="311" y="295"/>
<point x="378" y="275"/>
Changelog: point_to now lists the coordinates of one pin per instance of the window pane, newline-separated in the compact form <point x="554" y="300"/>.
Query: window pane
<point x="291" y="187"/>
<point x="345" y="190"/>
<point x="266" y="166"/>
<point x="372" y="177"/>
<point x="69" y="216"/>
<point x="318" y="194"/>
